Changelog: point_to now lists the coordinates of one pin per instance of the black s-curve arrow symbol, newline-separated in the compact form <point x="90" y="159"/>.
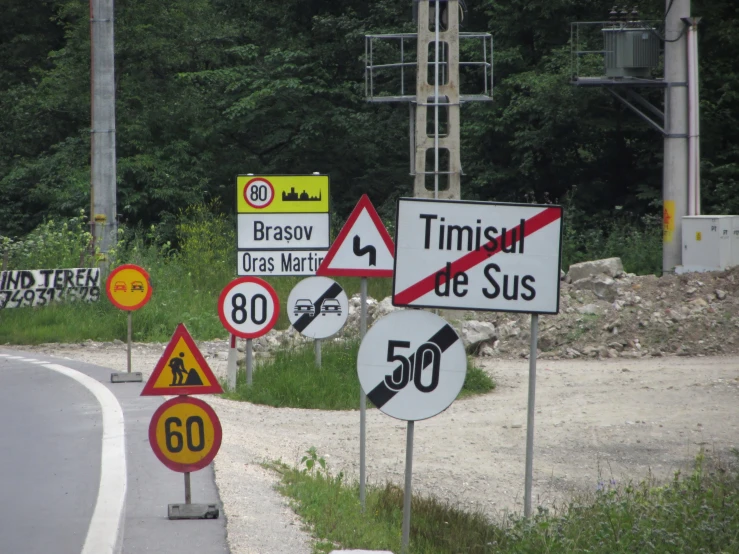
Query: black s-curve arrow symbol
<point x="371" y="250"/>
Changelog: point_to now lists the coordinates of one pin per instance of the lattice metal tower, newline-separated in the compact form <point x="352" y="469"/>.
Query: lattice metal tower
<point x="434" y="108"/>
<point x="437" y="153"/>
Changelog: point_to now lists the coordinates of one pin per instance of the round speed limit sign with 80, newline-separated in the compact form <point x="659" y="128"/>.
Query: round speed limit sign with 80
<point x="248" y="307"/>
<point x="259" y="193"/>
<point x="411" y="365"/>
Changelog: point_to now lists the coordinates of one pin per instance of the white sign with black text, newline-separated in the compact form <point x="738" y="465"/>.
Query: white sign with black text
<point x="283" y="231"/>
<point x="477" y="256"/>
<point x="280" y="262"/>
<point x="317" y="307"/>
<point x="411" y="365"/>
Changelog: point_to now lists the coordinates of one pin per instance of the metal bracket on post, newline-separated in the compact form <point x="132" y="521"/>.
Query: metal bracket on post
<point x="644" y="102"/>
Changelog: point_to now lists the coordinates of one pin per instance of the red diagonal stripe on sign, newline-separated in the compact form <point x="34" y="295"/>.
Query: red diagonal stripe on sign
<point x="470" y="260"/>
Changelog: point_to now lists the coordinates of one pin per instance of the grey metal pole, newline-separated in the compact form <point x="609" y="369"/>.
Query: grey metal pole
<point x="232" y="366"/>
<point x="188" y="497"/>
<point x="317" y="345"/>
<point x="694" y="157"/>
<point x="130" y="325"/>
<point x="362" y="400"/>
<point x="249" y="362"/>
<point x="675" y="170"/>
<point x="530" y="417"/>
<point x="102" y="142"/>
<point x="407" y="493"/>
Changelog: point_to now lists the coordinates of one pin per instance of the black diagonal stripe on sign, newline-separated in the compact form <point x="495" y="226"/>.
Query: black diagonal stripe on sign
<point x="306" y="319"/>
<point x="382" y="394"/>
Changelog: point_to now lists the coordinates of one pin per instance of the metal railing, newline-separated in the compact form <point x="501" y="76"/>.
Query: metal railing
<point x="395" y="73"/>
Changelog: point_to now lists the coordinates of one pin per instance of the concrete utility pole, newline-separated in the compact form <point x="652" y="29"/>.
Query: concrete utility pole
<point x="676" y="166"/>
<point x="437" y="100"/>
<point x="102" y="143"/>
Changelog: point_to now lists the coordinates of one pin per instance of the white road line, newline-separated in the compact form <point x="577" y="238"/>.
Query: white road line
<point x="102" y="535"/>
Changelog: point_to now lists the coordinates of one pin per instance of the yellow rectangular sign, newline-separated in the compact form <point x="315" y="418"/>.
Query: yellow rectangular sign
<point x="282" y="194"/>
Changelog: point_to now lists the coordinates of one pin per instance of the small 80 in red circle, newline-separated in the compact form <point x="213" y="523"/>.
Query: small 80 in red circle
<point x="259" y="193"/>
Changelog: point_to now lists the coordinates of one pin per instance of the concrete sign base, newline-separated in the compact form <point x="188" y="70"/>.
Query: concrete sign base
<point x="121" y="377"/>
<point x="192" y="511"/>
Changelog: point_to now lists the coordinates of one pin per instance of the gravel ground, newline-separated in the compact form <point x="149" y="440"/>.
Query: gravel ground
<point x="596" y="420"/>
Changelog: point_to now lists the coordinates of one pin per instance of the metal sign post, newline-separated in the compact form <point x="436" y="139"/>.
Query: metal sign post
<point x="362" y="399"/>
<point x="130" y="325"/>
<point x="232" y="367"/>
<point x="530" y="418"/>
<point x="407" y="492"/>
<point x="317" y="347"/>
<point x="249" y="361"/>
<point x="188" y="496"/>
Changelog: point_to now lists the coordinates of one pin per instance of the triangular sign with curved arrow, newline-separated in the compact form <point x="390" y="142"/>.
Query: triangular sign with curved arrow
<point x="363" y="248"/>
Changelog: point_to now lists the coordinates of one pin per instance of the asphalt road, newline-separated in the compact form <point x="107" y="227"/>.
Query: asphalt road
<point x="50" y="467"/>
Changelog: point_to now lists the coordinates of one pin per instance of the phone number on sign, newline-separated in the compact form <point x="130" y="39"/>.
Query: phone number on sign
<point x="23" y="298"/>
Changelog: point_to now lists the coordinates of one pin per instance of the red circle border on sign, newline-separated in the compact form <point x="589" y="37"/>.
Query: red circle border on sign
<point x="118" y="270"/>
<point x="217" y="434"/>
<point x="264" y="284"/>
<point x="246" y="197"/>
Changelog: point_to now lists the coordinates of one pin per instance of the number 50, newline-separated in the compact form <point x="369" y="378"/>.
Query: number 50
<point x="411" y="367"/>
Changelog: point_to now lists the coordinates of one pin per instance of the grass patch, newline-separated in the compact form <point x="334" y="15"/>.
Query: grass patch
<point x="186" y="281"/>
<point x="291" y="379"/>
<point x="698" y="513"/>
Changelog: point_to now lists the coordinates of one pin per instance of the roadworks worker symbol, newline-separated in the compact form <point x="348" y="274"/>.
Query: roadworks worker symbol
<point x="181" y="369"/>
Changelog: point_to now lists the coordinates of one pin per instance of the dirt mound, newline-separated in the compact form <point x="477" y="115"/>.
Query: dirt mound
<point x="628" y="316"/>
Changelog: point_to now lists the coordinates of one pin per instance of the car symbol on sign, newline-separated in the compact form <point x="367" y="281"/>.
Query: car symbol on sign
<point x="303" y="306"/>
<point x="137" y="285"/>
<point x="331" y="306"/>
<point x="119" y="286"/>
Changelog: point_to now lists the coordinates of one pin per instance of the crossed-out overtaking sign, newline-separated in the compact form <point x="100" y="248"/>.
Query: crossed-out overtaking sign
<point x="363" y="247"/>
<point x="477" y="256"/>
<point x="317" y="307"/>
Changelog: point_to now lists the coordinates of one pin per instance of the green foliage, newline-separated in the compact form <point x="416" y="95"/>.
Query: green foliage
<point x="207" y="246"/>
<point x="292" y="379"/>
<point x="53" y="244"/>
<point x="311" y="459"/>
<point x="698" y="513"/>
<point x="636" y="240"/>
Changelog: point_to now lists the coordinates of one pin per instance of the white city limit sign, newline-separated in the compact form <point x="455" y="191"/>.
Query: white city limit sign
<point x="477" y="256"/>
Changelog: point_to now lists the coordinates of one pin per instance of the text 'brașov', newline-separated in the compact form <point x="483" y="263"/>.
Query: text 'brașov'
<point x="438" y="234"/>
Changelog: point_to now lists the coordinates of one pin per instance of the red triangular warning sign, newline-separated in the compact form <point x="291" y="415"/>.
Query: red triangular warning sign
<point x="181" y="369"/>
<point x="363" y="248"/>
